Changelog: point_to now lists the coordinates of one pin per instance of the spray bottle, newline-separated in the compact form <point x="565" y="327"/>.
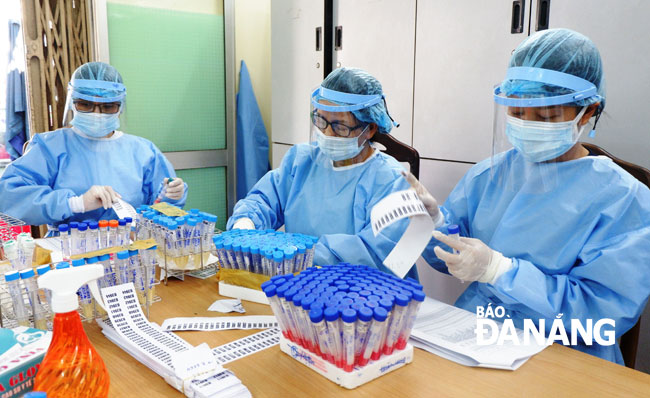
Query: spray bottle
<point x="71" y="367"/>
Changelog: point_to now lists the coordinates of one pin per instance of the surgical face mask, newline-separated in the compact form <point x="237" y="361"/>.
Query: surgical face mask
<point x="339" y="148"/>
<point x="96" y="125"/>
<point x="541" y="141"/>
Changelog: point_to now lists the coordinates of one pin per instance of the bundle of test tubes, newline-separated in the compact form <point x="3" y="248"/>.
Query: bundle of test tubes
<point x="266" y="252"/>
<point x="88" y="236"/>
<point x="183" y="242"/>
<point x="30" y="306"/>
<point x="346" y="314"/>
<point x="19" y="252"/>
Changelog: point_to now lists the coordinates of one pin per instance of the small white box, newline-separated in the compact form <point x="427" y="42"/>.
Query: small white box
<point x="242" y="293"/>
<point x="345" y="379"/>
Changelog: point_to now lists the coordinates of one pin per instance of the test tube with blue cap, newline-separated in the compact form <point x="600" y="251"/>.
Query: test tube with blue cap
<point x="122" y="267"/>
<point x="13" y="283"/>
<point x="93" y="236"/>
<point x="137" y="275"/>
<point x="278" y="262"/>
<point x="42" y="270"/>
<point x="74" y="237"/>
<point x="64" y="231"/>
<point x="84" y="292"/>
<point x="31" y="288"/>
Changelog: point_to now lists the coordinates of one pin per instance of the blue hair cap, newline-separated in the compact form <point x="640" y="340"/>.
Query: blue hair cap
<point x="97" y="81"/>
<point x="561" y="50"/>
<point x="358" y="81"/>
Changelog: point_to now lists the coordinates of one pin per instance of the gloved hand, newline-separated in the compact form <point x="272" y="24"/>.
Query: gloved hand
<point x="175" y="189"/>
<point x="99" y="196"/>
<point x="429" y="202"/>
<point x="244" y="223"/>
<point x="475" y="261"/>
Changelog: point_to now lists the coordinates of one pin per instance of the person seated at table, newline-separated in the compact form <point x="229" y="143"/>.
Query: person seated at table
<point x="327" y="188"/>
<point x="548" y="229"/>
<point x="77" y="173"/>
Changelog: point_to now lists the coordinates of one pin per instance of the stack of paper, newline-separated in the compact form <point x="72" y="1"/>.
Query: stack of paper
<point x="450" y="332"/>
<point x="186" y="368"/>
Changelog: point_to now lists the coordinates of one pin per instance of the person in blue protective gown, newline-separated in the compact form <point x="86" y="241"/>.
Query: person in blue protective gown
<point x="77" y="173"/>
<point x="548" y="229"/>
<point x="327" y="188"/>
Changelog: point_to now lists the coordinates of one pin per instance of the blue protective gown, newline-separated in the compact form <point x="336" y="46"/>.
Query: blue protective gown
<point x="60" y="164"/>
<point x="334" y="204"/>
<point x="581" y="249"/>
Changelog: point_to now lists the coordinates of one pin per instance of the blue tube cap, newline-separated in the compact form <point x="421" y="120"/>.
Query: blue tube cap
<point x="331" y="314"/>
<point x="78" y="262"/>
<point x="270" y="291"/>
<point x="123" y="255"/>
<point x="364" y="313"/>
<point x="43" y="269"/>
<point x="63" y="228"/>
<point x="380" y="314"/>
<point x="349" y="315"/>
<point x="62" y="266"/>
<point x="26" y="273"/>
<point x="316" y="315"/>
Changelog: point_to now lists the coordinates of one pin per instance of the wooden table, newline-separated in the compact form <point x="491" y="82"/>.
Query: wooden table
<point x="557" y="371"/>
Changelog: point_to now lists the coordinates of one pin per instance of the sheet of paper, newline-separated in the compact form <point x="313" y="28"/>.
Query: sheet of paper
<point x="197" y="360"/>
<point x="450" y="332"/>
<point x="227" y="305"/>
<point x="220" y="323"/>
<point x="124" y="209"/>
<point x="395" y="207"/>
<point x="247" y="346"/>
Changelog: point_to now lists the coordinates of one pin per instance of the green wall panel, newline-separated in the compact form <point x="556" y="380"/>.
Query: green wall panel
<point x="172" y="63"/>
<point x="207" y="191"/>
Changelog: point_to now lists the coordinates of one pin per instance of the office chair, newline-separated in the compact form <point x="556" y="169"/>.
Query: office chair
<point x="400" y="151"/>
<point x="630" y="340"/>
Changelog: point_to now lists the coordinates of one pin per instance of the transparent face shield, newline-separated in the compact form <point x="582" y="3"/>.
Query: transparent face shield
<point x="337" y="137"/>
<point x="96" y="114"/>
<point x="533" y="131"/>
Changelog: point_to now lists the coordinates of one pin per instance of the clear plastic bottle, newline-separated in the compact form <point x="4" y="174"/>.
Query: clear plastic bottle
<point x="71" y="367"/>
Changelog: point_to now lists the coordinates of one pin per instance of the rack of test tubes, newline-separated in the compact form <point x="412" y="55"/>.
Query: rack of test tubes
<point x="22" y="303"/>
<point x="10" y="228"/>
<point x="266" y="252"/>
<point x="91" y="235"/>
<point x="184" y="243"/>
<point x="350" y="323"/>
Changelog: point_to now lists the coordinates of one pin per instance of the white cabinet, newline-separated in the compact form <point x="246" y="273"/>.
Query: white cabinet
<point x="462" y="51"/>
<point x="296" y="66"/>
<point x="379" y="37"/>
<point x="620" y="30"/>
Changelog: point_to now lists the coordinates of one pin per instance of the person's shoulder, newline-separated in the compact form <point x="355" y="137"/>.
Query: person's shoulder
<point x="614" y="176"/>
<point x="140" y="143"/>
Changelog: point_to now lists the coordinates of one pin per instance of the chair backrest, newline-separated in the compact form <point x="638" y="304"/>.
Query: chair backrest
<point x="400" y="151"/>
<point x="630" y="340"/>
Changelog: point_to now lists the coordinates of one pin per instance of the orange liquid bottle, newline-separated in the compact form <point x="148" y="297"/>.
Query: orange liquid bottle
<point x="71" y="367"/>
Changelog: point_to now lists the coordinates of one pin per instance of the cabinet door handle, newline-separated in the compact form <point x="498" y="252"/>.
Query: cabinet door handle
<point x="319" y="32"/>
<point x="517" y="22"/>
<point x="338" y="38"/>
<point x="543" y="12"/>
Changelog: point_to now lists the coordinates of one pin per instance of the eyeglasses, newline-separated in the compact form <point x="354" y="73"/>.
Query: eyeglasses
<point x="87" y="106"/>
<point x="339" y="129"/>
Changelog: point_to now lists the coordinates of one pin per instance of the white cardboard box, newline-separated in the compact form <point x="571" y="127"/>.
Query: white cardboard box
<point x="345" y="379"/>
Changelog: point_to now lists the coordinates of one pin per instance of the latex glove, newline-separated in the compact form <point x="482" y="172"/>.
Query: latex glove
<point x="175" y="189"/>
<point x="244" y="223"/>
<point x="429" y="202"/>
<point x="475" y="261"/>
<point x="97" y="196"/>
